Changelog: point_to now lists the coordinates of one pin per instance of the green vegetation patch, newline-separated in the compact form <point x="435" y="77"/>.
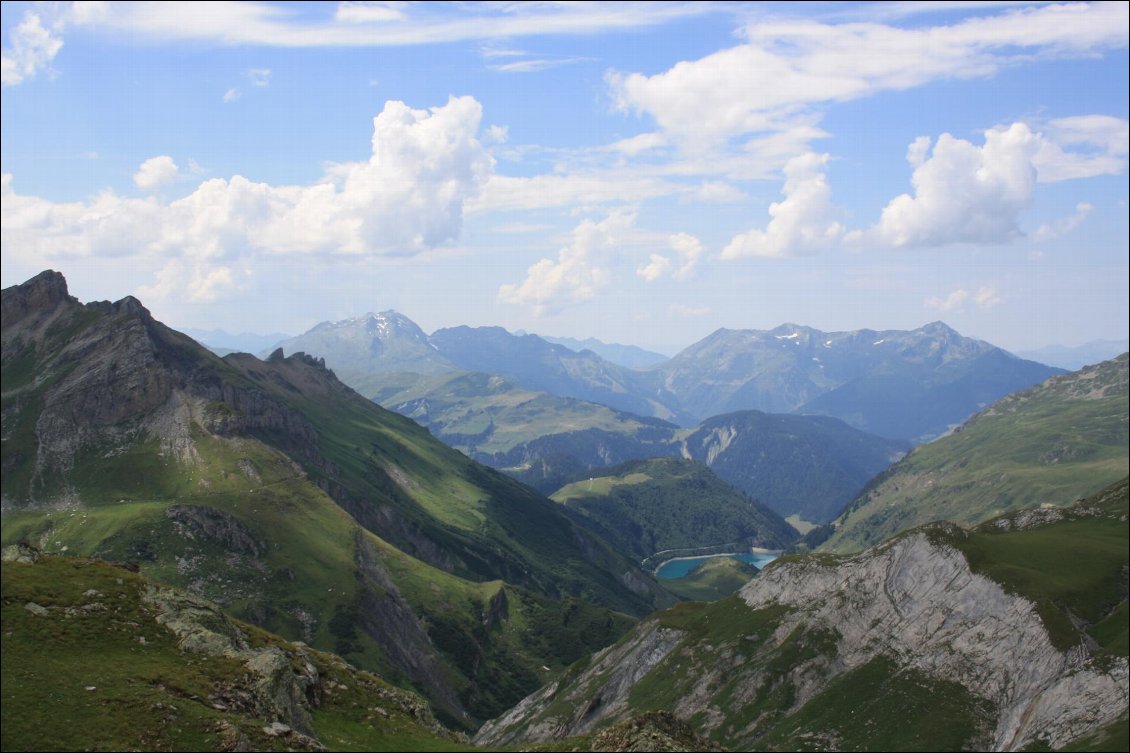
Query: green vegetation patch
<point x="878" y="707"/>
<point x="1074" y="570"/>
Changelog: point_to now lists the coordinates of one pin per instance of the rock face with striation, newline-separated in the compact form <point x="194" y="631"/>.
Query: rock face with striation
<point x="906" y="644"/>
<point x="918" y="600"/>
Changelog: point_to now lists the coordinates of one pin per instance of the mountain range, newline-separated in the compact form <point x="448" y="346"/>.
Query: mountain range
<point x="255" y="514"/>
<point x="908" y="385"/>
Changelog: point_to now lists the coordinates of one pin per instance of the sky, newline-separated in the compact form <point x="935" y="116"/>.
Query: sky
<point x="642" y="173"/>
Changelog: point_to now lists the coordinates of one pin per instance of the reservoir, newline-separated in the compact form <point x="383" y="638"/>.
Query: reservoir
<point x="678" y="568"/>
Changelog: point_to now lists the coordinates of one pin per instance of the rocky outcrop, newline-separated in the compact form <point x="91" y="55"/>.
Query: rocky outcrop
<point x="216" y="525"/>
<point x="652" y="731"/>
<point x="280" y="693"/>
<point x="39" y="297"/>
<point x="598" y="693"/>
<point x="918" y="600"/>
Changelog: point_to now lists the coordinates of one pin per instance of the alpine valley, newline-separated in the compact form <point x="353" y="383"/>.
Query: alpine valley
<point x="244" y="553"/>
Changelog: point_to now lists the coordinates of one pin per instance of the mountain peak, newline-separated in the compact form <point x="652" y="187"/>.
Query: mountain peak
<point x="939" y="329"/>
<point x="41" y="293"/>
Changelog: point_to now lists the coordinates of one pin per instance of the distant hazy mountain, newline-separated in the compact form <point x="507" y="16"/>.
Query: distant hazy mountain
<point x="912" y="385"/>
<point x="900" y="384"/>
<point x="221" y="342"/>
<point x="628" y="356"/>
<point x="358" y="348"/>
<point x="532" y="362"/>
<point x="364" y="350"/>
<point x="1053" y="443"/>
<point x="1078" y="356"/>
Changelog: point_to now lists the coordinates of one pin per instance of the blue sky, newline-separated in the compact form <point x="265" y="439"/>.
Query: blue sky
<point x="641" y="173"/>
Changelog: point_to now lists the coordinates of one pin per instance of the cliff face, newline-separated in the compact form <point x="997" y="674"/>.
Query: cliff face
<point x="904" y="644"/>
<point x="918" y="601"/>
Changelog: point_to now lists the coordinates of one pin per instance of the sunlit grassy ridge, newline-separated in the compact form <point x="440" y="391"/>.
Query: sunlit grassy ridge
<point x="1052" y="444"/>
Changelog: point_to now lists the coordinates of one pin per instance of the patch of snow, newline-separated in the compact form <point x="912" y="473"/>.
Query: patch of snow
<point x="793" y="336"/>
<point x="878" y="342"/>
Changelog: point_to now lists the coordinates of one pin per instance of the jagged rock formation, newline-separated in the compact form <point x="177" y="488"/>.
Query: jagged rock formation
<point x="906" y="643"/>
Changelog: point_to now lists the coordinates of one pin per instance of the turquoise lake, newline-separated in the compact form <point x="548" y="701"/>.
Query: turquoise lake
<point x="679" y="568"/>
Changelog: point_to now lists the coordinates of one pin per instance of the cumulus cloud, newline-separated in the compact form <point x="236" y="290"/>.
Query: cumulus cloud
<point x="1064" y="225"/>
<point x="575" y="276"/>
<point x="408" y="197"/>
<point x="156" y="172"/>
<point x="963" y="192"/>
<point x="787" y="69"/>
<point x="656" y="267"/>
<point x="688" y="252"/>
<point x="983" y="298"/>
<point x="802" y="223"/>
<point x="32" y="48"/>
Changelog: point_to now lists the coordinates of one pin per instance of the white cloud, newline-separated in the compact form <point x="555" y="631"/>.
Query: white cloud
<point x="987" y="298"/>
<point x="984" y="298"/>
<point x="951" y="302"/>
<point x="534" y="65"/>
<point x="1098" y="143"/>
<point x="964" y="193"/>
<point x="377" y="24"/>
<point x="719" y="192"/>
<point x="1064" y="225"/>
<point x="656" y="267"/>
<point x="575" y="276"/>
<point x="688" y="252"/>
<point x="232" y="94"/>
<point x="259" y="76"/>
<point x="802" y="223"/>
<point x="369" y="13"/>
<point x="156" y="172"/>
<point x="497" y="134"/>
<point x="787" y="69"/>
<point x="634" y="145"/>
<point x="32" y="49"/>
<point x="405" y="199"/>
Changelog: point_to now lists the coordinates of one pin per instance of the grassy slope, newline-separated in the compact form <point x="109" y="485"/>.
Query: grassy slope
<point x="495" y="526"/>
<point x="305" y="575"/>
<point x="487" y="414"/>
<point x="1053" y="443"/>
<point x="81" y="679"/>
<point x="648" y="506"/>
